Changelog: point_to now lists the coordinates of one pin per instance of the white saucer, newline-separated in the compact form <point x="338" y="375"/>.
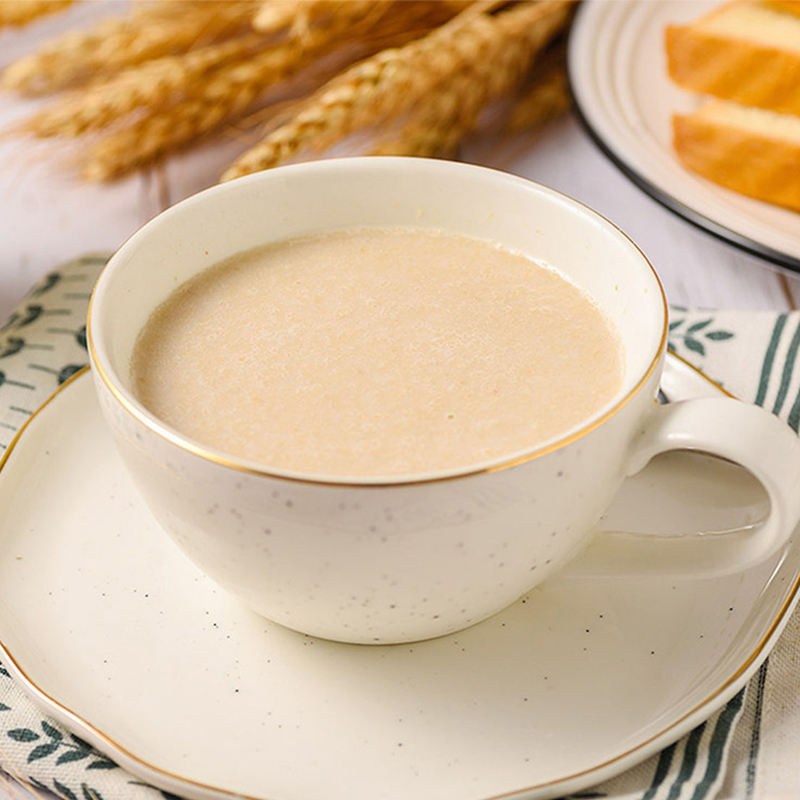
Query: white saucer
<point x="618" y="75"/>
<point x="117" y="635"/>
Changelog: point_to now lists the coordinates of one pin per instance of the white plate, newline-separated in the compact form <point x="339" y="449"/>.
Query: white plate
<point x="117" y="635"/>
<point x="618" y="76"/>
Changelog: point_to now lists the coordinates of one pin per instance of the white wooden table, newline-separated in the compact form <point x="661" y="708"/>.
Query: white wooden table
<point x="48" y="216"/>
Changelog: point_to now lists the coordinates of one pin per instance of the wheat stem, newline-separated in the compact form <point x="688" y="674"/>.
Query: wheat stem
<point x="299" y="15"/>
<point x="21" y="12"/>
<point x="448" y="116"/>
<point x="546" y="98"/>
<point x="112" y="44"/>
<point x="224" y="96"/>
<point x="152" y="85"/>
<point x="388" y="84"/>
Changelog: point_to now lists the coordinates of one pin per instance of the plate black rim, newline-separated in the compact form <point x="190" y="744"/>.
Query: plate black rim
<point x="775" y="257"/>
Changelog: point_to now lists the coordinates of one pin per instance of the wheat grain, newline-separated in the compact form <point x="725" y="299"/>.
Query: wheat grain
<point x="194" y="65"/>
<point x="224" y="95"/>
<point x="546" y="98"/>
<point x="21" y="12"/>
<point x="116" y="43"/>
<point x="155" y="82"/>
<point x="152" y="84"/>
<point x="440" y="124"/>
<point x="387" y="84"/>
<point x="298" y="15"/>
<point x="422" y="141"/>
<point x="276" y="15"/>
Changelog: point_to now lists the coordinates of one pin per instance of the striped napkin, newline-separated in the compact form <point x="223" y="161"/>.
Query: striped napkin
<point x="747" y="750"/>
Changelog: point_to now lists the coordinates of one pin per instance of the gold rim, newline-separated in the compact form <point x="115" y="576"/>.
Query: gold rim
<point x="702" y="374"/>
<point x="18" y="435"/>
<point x="173" y="437"/>
<point x="98" y="735"/>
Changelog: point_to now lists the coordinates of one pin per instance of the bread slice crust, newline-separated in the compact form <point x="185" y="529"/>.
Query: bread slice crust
<point x="787" y="6"/>
<point x="755" y="164"/>
<point x="743" y="71"/>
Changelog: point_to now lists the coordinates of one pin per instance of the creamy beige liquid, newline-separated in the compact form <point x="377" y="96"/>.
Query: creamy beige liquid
<point x="376" y="352"/>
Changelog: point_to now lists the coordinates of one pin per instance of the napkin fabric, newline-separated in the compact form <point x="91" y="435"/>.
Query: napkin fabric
<point x="747" y="750"/>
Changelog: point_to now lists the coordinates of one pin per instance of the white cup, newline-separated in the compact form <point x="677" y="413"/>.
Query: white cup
<point x="381" y="561"/>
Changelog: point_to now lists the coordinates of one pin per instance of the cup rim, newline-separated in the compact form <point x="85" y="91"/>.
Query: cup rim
<point x="115" y="386"/>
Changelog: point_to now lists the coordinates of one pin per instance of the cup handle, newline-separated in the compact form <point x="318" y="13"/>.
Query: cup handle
<point x="729" y="429"/>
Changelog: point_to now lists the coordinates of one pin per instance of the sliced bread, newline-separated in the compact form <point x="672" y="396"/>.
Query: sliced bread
<point x="788" y="6"/>
<point x="745" y="51"/>
<point x="748" y="150"/>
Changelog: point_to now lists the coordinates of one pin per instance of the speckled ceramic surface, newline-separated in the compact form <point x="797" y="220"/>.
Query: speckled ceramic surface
<point x="384" y="559"/>
<point x="121" y="638"/>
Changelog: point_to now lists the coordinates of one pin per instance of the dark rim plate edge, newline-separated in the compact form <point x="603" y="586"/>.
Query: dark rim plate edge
<point x="687" y="213"/>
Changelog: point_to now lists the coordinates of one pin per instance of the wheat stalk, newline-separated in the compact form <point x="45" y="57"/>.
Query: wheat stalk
<point x="546" y="98"/>
<point x="151" y="85"/>
<point x="155" y="82"/>
<point x="445" y="117"/>
<point x="117" y="43"/>
<point x="387" y="84"/>
<point x="227" y="93"/>
<point x="298" y="15"/>
<point x="21" y="12"/>
<point x="224" y="96"/>
<point x="276" y="15"/>
<point x="440" y="126"/>
<point x="182" y="68"/>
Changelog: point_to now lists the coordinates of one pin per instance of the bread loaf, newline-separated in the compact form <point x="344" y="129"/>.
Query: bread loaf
<point x="790" y="6"/>
<point x="745" y="51"/>
<point x="752" y="151"/>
